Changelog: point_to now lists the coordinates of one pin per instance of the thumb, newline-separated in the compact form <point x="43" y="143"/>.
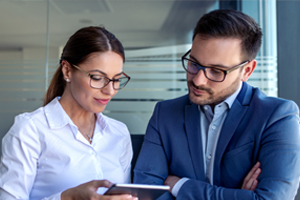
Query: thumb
<point x="101" y="183"/>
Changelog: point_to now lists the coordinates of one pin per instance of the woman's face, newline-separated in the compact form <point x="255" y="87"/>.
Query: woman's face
<point x="108" y="64"/>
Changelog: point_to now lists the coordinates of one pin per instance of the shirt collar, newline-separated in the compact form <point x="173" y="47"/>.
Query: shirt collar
<point x="232" y="98"/>
<point x="102" y="121"/>
<point x="56" y="115"/>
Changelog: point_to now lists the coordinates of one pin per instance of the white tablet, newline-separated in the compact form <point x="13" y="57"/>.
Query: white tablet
<point x="142" y="191"/>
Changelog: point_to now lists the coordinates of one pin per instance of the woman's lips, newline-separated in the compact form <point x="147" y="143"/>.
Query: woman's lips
<point x="103" y="101"/>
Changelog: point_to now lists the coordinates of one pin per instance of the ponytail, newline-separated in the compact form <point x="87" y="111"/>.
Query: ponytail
<point x="56" y="87"/>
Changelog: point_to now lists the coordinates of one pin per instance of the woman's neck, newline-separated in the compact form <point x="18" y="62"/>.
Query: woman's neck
<point x="77" y="113"/>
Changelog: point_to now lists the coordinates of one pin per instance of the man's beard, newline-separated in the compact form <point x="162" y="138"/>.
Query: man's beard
<point x="213" y="97"/>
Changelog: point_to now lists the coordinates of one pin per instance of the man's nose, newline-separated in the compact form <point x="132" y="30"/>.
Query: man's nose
<point x="200" y="78"/>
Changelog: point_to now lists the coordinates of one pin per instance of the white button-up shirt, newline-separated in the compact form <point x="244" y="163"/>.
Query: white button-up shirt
<point x="44" y="154"/>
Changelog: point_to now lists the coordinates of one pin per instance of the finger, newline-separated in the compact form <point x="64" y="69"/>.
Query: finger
<point x="252" y="181"/>
<point x="254" y="185"/>
<point x="256" y="174"/>
<point x="252" y="171"/>
<point x="101" y="183"/>
<point x="247" y="183"/>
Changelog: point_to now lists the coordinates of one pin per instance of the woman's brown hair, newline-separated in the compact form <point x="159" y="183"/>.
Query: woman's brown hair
<point x="80" y="45"/>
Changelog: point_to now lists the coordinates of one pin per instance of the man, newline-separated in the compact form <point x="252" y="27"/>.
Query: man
<point x="204" y="144"/>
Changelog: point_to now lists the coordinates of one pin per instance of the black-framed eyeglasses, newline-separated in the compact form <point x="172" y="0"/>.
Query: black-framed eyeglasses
<point x="211" y="73"/>
<point x="98" y="81"/>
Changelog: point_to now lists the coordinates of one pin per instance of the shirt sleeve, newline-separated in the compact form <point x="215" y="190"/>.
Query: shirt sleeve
<point x="178" y="185"/>
<point x="20" y="153"/>
<point x="5" y="195"/>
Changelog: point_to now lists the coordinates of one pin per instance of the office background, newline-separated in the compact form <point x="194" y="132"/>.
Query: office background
<point x="155" y="34"/>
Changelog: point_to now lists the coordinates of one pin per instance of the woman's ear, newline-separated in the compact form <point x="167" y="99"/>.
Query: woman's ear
<point x="66" y="70"/>
<point x="248" y="70"/>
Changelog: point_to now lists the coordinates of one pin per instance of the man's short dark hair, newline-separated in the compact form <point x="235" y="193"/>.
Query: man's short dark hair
<point x="231" y="24"/>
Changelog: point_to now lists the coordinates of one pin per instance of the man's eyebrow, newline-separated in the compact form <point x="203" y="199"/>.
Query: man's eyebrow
<point x="195" y="59"/>
<point x="212" y="65"/>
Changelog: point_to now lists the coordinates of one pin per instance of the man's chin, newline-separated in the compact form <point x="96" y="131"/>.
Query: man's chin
<point x="198" y="100"/>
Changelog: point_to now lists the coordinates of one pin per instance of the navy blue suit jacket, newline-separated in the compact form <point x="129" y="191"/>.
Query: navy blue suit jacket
<point x="257" y="128"/>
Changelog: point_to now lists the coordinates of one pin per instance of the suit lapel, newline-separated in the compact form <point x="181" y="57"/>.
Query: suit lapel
<point x="192" y="125"/>
<point x="231" y="123"/>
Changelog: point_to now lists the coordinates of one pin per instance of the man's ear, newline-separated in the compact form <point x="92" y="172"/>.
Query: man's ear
<point x="66" y="70"/>
<point x="248" y="70"/>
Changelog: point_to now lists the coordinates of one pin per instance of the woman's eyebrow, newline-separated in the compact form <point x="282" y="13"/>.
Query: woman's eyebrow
<point x="119" y="74"/>
<point x="96" y="70"/>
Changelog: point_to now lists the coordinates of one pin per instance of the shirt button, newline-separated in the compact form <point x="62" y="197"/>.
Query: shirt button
<point x="209" y="157"/>
<point x="213" y="127"/>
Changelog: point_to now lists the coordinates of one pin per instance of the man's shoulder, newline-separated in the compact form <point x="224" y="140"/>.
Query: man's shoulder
<point x="172" y="107"/>
<point x="271" y="105"/>
<point x="254" y="95"/>
<point x="182" y="100"/>
<point x="262" y="98"/>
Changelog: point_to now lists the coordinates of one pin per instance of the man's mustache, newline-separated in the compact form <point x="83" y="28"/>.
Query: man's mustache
<point x="208" y="90"/>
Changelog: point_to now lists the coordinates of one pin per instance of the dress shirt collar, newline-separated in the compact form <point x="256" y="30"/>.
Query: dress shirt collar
<point x="231" y="98"/>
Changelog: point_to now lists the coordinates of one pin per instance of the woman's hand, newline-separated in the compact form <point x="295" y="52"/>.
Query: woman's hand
<point x="88" y="191"/>
<point x="250" y="182"/>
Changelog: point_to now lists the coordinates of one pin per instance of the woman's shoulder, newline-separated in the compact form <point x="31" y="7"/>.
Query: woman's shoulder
<point x="30" y="116"/>
<point x="25" y="124"/>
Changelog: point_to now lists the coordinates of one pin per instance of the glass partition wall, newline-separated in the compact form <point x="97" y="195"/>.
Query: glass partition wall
<point x="23" y="49"/>
<point x="155" y="35"/>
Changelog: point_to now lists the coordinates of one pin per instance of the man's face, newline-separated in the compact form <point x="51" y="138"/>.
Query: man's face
<point x="221" y="53"/>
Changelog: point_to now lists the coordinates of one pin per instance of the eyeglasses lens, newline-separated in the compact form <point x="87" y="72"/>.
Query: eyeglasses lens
<point x="101" y="81"/>
<point x="209" y="72"/>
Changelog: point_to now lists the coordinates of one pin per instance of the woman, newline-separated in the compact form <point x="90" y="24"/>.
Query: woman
<point x="67" y="148"/>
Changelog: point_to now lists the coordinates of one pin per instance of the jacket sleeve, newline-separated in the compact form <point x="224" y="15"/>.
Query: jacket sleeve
<point x="152" y="165"/>
<point x="279" y="154"/>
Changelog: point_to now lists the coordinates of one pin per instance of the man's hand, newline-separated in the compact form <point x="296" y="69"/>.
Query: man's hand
<point x="250" y="182"/>
<point x="88" y="191"/>
<point x="171" y="181"/>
